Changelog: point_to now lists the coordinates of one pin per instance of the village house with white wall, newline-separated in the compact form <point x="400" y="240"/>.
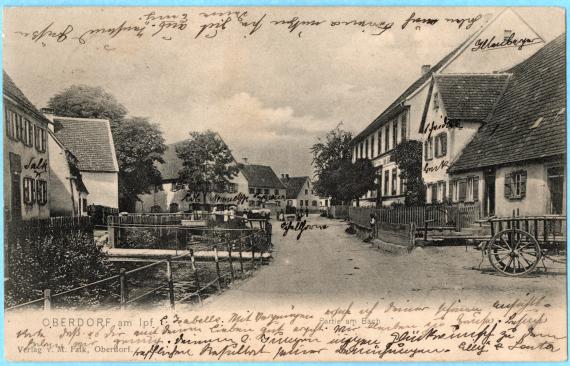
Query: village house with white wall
<point x="91" y="141"/>
<point x="26" y="157"/>
<point x="300" y="193"/>
<point x="501" y="43"/>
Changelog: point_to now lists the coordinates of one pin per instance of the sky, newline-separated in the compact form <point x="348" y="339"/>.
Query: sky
<point x="270" y="85"/>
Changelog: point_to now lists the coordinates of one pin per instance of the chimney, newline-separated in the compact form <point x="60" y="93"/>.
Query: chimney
<point x="49" y="114"/>
<point x="244" y="161"/>
<point x="425" y="69"/>
<point x="287" y="176"/>
<point x="282" y="175"/>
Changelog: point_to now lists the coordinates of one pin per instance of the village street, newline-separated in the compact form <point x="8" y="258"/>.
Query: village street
<point x="331" y="266"/>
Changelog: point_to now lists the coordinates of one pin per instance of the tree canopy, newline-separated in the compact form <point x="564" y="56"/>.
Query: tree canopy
<point x="86" y="101"/>
<point x="336" y="176"/>
<point x="138" y="142"/>
<point x="207" y="162"/>
<point x="140" y="146"/>
<point x="408" y="157"/>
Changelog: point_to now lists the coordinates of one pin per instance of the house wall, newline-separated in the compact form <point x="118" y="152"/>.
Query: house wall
<point x="63" y="197"/>
<point x="537" y="195"/>
<point x="103" y="188"/>
<point x="473" y="59"/>
<point x="435" y="169"/>
<point x="33" y="164"/>
<point x="309" y="197"/>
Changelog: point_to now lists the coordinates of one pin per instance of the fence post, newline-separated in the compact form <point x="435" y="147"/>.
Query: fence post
<point x="170" y="281"/>
<point x="47" y="299"/>
<point x="124" y="289"/>
<point x="241" y="257"/>
<point x="230" y="260"/>
<point x="217" y="268"/>
<point x="252" y="252"/>
<point x="194" y="269"/>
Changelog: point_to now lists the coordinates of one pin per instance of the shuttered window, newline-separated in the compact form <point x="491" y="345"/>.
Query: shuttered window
<point x="462" y="194"/>
<point x="379" y="142"/>
<point x="515" y="185"/>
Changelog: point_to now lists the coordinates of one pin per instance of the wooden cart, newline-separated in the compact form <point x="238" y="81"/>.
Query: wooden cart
<point x="518" y="244"/>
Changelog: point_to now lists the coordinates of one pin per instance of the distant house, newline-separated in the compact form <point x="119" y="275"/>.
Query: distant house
<point x="26" y="157"/>
<point x="67" y="192"/>
<point x="516" y="161"/>
<point x="90" y="140"/>
<point x="255" y="186"/>
<point x="264" y="187"/>
<point x="300" y="192"/>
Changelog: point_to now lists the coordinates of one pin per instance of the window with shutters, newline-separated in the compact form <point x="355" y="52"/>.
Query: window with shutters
<point x="429" y="149"/>
<point x="41" y="192"/>
<point x="462" y="190"/>
<point x="434" y="193"/>
<point x="387" y="138"/>
<point x="515" y="185"/>
<point x="394" y="133"/>
<point x="472" y="189"/>
<point x="372" y="146"/>
<point x="394" y="181"/>
<point x="453" y="191"/>
<point x="403" y="126"/>
<point x="29" y="189"/>
<point x="442" y="188"/>
<point x="40" y="139"/>
<point x="379" y="142"/>
<point x="441" y="145"/>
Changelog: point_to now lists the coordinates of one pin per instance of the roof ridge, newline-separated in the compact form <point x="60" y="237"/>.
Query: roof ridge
<point x="82" y="119"/>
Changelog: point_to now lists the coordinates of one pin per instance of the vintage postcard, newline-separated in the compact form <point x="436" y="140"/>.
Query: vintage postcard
<point x="285" y="184"/>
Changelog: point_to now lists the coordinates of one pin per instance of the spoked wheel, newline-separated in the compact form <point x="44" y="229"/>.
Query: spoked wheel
<point x="513" y="252"/>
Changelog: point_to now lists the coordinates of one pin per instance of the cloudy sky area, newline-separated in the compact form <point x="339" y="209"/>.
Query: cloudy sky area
<point x="270" y="94"/>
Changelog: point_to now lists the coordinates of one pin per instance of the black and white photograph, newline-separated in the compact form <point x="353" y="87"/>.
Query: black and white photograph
<point x="285" y="184"/>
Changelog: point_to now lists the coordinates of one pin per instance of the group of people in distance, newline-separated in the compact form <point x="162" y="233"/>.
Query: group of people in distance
<point x="298" y="212"/>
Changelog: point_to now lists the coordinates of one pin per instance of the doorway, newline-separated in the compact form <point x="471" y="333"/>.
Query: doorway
<point x="555" y="183"/>
<point x="489" y="196"/>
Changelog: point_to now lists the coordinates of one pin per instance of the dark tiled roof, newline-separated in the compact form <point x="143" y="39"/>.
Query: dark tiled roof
<point x="261" y="176"/>
<point x="172" y="163"/>
<point x="390" y="112"/>
<point x="11" y="90"/>
<point x="90" y="141"/>
<point x="470" y="96"/>
<point x="294" y="185"/>
<point x="529" y="121"/>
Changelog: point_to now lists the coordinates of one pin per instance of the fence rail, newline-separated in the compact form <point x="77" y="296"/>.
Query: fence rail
<point x="253" y="241"/>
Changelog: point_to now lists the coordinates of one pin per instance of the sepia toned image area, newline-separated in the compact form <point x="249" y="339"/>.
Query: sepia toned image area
<point x="285" y="184"/>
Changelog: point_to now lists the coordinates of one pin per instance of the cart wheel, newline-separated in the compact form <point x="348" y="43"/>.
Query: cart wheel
<point x="513" y="252"/>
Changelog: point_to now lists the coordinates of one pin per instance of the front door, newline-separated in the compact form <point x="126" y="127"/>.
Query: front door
<point x="556" y="190"/>
<point x="489" y="197"/>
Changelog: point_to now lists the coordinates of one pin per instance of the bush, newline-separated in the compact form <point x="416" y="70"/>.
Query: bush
<point x="58" y="263"/>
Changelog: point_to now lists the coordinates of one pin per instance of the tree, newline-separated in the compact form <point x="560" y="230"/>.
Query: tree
<point x="329" y="158"/>
<point x="207" y="162"/>
<point x="355" y="179"/>
<point x="408" y="157"/>
<point x="86" y="101"/>
<point x="139" y="146"/>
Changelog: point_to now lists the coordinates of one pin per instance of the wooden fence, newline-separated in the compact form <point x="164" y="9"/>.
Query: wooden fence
<point x="339" y="212"/>
<point x="99" y="214"/>
<point x="460" y="215"/>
